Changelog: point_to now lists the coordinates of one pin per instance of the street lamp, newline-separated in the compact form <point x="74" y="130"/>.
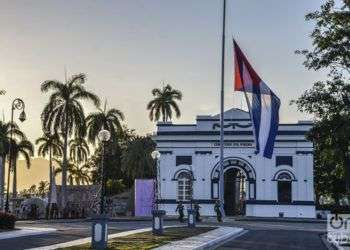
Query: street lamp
<point x="19" y="105"/>
<point x="99" y="223"/>
<point x="348" y="188"/>
<point x="104" y="136"/>
<point x="191" y="212"/>
<point x="157" y="215"/>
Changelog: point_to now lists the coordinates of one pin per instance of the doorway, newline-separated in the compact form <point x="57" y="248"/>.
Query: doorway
<point x="234" y="192"/>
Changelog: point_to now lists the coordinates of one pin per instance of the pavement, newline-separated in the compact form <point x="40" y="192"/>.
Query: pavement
<point x="25" y="231"/>
<point x="260" y="234"/>
<point x="276" y="239"/>
<point x="66" y="231"/>
<point x="203" y="241"/>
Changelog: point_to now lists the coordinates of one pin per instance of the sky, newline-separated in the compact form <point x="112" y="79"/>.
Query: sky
<point x="127" y="48"/>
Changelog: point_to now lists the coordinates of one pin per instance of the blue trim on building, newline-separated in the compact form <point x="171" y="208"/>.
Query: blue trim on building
<point x="274" y="202"/>
<point x="304" y="152"/>
<point x="217" y="120"/>
<point x="203" y="152"/>
<point x="243" y="132"/>
<point x="176" y="125"/>
<point x="227" y="120"/>
<point x="284" y="160"/>
<point x="217" y="141"/>
<point x="166" y="152"/>
<point x="174" y="201"/>
<point x="275" y="176"/>
<point x="249" y="202"/>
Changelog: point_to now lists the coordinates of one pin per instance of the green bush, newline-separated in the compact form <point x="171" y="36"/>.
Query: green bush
<point x="115" y="187"/>
<point x="7" y="221"/>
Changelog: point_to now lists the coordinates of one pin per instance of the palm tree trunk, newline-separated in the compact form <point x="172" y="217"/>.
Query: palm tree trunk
<point x="50" y="176"/>
<point x="14" y="182"/>
<point x="2" y="181"/>
<point x="64" y="165"/>
<point x="164" y="115"/>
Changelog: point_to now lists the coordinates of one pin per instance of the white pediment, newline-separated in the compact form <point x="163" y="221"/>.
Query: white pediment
<point x="233" y="114"/>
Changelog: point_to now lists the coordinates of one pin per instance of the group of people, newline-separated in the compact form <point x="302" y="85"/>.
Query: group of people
<point x="217" y="208"/>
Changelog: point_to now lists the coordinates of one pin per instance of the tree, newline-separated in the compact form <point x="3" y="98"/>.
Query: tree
<point x="82" y="175"/>
<point x="136" y="159"/>
<point x="104" y="119"/>
<point x="76" y="173"/>
<point x="49" y="144"/>
<point x="331" y="39"/>
<point x="164" y="103"/>
<point x="2" y="92"/>
<point x="5" y="134"/>
<point x="79" y="153"/>
<point x="329" y="101"/>
<point x="64" y="113"/>
<point x="43" y="189"/>
<point x="22" y="148"/>
<point x="79" y="150"/>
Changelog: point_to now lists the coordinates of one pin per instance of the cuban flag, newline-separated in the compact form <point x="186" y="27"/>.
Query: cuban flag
<point x="263" y="104"/>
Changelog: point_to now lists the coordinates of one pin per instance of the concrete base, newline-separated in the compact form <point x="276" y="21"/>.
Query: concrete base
<point x="289" y="211"/>
<point x="26" y="231"/>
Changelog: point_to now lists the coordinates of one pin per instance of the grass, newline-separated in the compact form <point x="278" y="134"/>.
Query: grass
<point x="146" y="240"/>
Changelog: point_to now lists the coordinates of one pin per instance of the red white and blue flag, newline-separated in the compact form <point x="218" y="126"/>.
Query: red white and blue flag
<point x="263" y="104"/>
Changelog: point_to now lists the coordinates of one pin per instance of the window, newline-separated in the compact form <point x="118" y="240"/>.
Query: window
<point x="284" y="160"/>
<point x="284" y="186"/>
<point x="184" y="186"/>
<point x="183" y="160"/>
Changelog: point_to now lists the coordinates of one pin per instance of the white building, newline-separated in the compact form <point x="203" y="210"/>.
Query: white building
<point x="254" y="186"/>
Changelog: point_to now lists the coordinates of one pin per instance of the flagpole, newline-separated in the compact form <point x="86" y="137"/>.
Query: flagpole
<point x="221" y="180"/>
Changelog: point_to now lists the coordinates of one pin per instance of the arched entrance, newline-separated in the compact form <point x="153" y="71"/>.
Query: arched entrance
<point x="235" y="190"/>
<point x="239" y="184"/>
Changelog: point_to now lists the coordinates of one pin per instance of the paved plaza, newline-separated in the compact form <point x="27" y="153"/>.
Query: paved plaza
<point x="258" y="234"/>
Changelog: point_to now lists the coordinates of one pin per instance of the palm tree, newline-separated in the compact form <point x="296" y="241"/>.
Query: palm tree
<point x="43" y="188"/>
<point x="22" y="148"/>
<point x="75" y="173"/>
<point x="5" y="134"/>
<point x="78" y="150"/>
<point x="2" y="92"/>
<point x="32" y="190"/>
<point x="82" y="175"/>
<point x="64" y="113"/>
<point x="104" y="119"/>
<point x="49" y="144"/>
<point x="164" y="103"/>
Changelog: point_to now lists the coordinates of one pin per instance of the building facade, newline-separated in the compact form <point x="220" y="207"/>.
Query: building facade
<point x="253" y="185"/>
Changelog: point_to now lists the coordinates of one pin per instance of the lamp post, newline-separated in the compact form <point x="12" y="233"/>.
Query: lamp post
<point x="346" y="100"/>
<point x="104" y="136"/>
<point x="99" y="223"/>
<point x="17" y="104"/>
<point x="157" y="215"/>
<point x="191" y="212"/>
<point x="348" y="188"/>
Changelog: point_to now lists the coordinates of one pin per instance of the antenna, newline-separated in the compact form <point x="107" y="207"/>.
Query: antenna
<point x="105" y="107"/>
<point x="65" y="73"/>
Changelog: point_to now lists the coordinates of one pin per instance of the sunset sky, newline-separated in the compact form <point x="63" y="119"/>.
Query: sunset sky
<point x="128" y="47"/>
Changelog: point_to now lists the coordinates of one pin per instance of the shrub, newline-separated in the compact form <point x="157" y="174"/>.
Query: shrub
<point x="7" y="221"/>
<point x="334" y="208"/>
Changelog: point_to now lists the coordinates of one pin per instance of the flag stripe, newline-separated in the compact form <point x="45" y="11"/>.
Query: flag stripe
<point x="263" y="105"/>
<point x="275" y="105"/>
